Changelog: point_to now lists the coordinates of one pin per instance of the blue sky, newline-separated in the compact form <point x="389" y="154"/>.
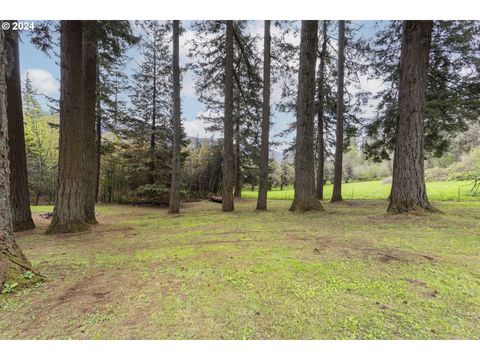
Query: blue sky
<point x="45" y="75"/>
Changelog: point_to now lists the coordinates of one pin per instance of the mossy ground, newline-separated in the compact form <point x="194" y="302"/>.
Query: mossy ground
<point x="348" y="273"/>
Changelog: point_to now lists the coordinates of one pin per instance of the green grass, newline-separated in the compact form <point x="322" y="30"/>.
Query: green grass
<point x="436" y="191"/>
<point x="348" y="273"/>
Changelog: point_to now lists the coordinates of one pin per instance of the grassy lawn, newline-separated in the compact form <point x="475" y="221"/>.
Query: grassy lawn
<point x="436" y="191"/>
<point x="349" y="273"/>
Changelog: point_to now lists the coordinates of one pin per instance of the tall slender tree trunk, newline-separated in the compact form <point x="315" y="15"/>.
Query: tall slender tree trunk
<point x="238" y="164"/>
<point x="174" y="204"/>
<point x="408" y="182"/>
<point x="263" y="178"/>
<point x="19" y="193"/>
<point x="228" y="157"/>
<point x="154" y="117"/>
<point x="89" y="51"/>
<point x="73" y="190"/>
<point x="321" y="116"/>
<point x="12" y="261"/>
<point x="304" y="198"/>
<point x="98" y="136"/>
<point x="337" y="172"/>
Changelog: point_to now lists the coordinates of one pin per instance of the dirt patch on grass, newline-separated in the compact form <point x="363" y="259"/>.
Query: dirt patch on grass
<point x="387" y="255"/>
<point x="364" y="249"/>
<point x="390" y="219"/>
<point x="87" y="287"/>
<point x="422" y="287"/>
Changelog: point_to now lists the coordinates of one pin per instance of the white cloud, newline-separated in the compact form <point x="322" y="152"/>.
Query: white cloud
<point x="43" y="82"/>
<point x="196" y="128"/>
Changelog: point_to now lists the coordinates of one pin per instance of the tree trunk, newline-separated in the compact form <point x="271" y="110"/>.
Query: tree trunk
<point x="320" y="116"/>
<point x="228" y="158"/>
<point x="98" y="136"/>
<point x="237" y="168"/>
<point x="304" y="198"/>
<point x="174" y="204"/>
<point x="73" y="190"/>
<point x="337" y="173"/>
<point x="19" y="193"/>
<point x="263" y="178"/>
<point x="89" y="51"/>
<point x="154" y="116"/>
<point x="12" y="261"/>
<point x="408" y="182"/>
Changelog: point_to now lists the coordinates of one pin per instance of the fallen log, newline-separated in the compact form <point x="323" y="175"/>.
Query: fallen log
<point x="215" y="198"/>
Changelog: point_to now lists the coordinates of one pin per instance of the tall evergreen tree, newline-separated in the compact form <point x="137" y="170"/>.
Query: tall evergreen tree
<point x="74" y="188"/>
<point x="228" y="161"/>
<point x="13" y="263"/>
<point x="321" y="113"/>
<point x="304" y="198"/>
<point x="207" y="49"/>
<point x="337" y="177"/>
<point x="174" y="203"/>
<point x="408" y="182"/>
<point x="355" y="97"/>
<point x="89" y="102"/>
<point x="78" y="111"/>
<point x="19" y="193"/>
<point x="263" y="181"/>
<point x="151" y="114"/>
<point x="453" y="85"/>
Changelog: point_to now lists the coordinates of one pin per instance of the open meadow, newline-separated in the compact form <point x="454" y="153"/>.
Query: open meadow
<point x="376" y="189"/>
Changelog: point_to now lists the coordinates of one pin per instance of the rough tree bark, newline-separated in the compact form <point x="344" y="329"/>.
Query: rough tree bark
<point x="98" y="136"/>
<point x="174" y="204"/>
<point x="238" y="164"/>
<point x="337" y="173"/>
<point x="73" y="191"/>
<point x="89" y="52"/>
<point x="408" y="183"/>
<point x="228" y="157"/>
<point x="19" y="193"/>
<point x="263" y="179"/>
<point x="320" y="115"/>
<point x="12" y="261"/>
<point x="304" y="198"/>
